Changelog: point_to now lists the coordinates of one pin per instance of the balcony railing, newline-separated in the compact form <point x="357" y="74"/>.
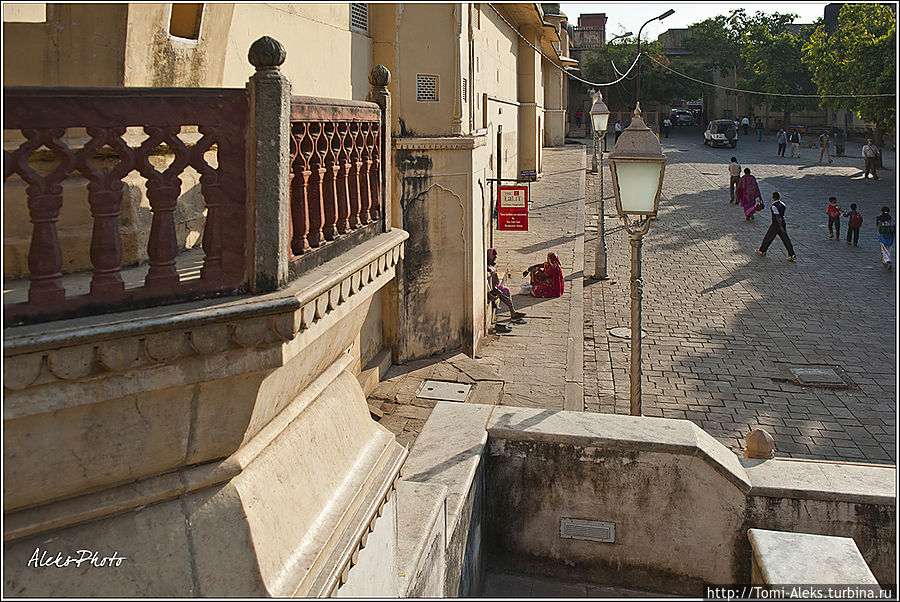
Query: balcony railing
<point x="49" y="118"/>
<point x="336" y="174"/>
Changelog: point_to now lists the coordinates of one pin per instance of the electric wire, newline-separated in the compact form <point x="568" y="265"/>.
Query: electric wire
<point x="666" y="67"/>
<point x="575" y="77"/>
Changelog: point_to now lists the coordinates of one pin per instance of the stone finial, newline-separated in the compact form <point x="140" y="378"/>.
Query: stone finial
<point x="759" y="444"/>
<point x="637" y="109"/>
<point x="379" y="76"/>
<point x="266" y="53"/>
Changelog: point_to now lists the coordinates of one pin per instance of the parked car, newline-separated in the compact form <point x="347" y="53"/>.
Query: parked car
<point x="683" y="118"/>
<point x="721" y="132"/>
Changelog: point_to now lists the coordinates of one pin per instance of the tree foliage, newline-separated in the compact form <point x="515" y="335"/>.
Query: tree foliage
<point x="772" y="51"/>
<point x="657" y="84"/>
<point x="857" y="58"/>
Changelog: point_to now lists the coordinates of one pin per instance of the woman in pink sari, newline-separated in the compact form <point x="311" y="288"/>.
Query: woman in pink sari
<point x="546" y="278"/>
<point x="748" y="194"/>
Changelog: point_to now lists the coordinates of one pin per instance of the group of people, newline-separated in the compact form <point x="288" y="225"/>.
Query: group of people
<point x="884" y="224"/>
<point x="545" y="280"/>
<point x="782" y="138"/>
<point x="744" y="190"/>
<point x="744" y="124"/>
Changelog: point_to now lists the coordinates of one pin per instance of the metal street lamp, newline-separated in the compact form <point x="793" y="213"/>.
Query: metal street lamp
<point x="668" y="13"/>
<point x="599" y="121"/>
<point x="637" y="165"/>
<point x="606" y="49"/>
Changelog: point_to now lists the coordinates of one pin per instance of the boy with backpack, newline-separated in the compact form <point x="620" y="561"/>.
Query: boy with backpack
<point x="886" y="226"/>
<point x="853" y="226"/>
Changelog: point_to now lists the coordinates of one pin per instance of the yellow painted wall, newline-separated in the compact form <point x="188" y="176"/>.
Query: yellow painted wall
<point x="324" y="58"/>
<point x="78" y="45"/>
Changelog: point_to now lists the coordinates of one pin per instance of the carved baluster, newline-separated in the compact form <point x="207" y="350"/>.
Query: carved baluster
<point x="353" y="163"/>
<point x="329" y="184"/>
<point x="44" y="203"/>
<point x="342" y="156"/>
<point x="213" y="196"/>
<point x="300" y="172"/>
<point x="163" y="191"/>
<point x="105" y="199"/>
<point x="374" y="172"/>
<point x="314" y="196"/>
<point x="365" y="194"/>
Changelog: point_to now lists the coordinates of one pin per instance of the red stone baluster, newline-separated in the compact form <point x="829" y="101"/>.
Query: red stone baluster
<point x="162" y="191"/>
<point x="353" y="164"/>
<point x="374" y="171"/>
<point x="213" y="196"/>
<point x="300" y="137"/>
<point x="342" y="157"/>
<point x="44" y="203"/>
<point x="363" y="171"/>
<point x="105" y="199"/>
<point x="329" y="183"/>
<point x="314" y="191"/>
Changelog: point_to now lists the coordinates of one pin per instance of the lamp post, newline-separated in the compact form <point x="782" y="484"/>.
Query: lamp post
<point x="637" y="165"/>
<point x="606" y="50"/>
<point x="599" y="121"/>
<point x="668" y="13"/>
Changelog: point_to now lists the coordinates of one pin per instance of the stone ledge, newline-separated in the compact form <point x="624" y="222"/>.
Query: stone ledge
<point x="70" y="350"/>
<point x="439" y="143"/>
<point x="826" y="481"/>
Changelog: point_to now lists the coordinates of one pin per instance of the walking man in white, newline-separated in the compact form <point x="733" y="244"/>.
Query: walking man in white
<point x="870" y="156"/>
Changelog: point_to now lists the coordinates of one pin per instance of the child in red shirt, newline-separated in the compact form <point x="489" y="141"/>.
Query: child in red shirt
<point x="834" y="218"/>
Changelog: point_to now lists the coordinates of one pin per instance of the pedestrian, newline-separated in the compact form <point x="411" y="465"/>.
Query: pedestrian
<point x="824" y="143"/>
<point x="578" y="116"/>
<point x="759" y="130"/>
<point x="886" y="226"/>
<point x="734" y="170"/>
<point x="778" y="228"/>
<point x="781" y="138"/>
<point x="870" y="156"/>
<point x="748" y="194"/>
<point x="737" y="126"/>
<point x="666" y="124"/>
<point x="618" y="130"/>
<point x="853" y="225"/>
<point x="795" y="143"/>
<point x="834" y="218"/>
<point x="746" y="123"/>
<point x="498" y="292"/>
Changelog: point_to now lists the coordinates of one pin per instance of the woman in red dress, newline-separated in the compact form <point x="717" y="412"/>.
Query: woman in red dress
<point x="546" y="278"/>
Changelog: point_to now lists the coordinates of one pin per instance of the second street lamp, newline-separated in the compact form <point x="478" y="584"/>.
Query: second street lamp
<point x="599" y="121"/>
<point x="637" y="165"/>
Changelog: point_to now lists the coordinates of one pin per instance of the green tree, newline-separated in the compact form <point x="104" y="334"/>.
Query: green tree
<point x="657" y="84"/>
<point x="858" y="57"/>
<point x="772" y="51"/>
<point x="718" y="41"/>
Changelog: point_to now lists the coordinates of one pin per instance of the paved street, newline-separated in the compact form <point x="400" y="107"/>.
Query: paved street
<point x="724" y="326"/>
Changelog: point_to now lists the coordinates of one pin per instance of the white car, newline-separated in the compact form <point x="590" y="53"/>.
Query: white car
<point x="683" y="118"/>
<point x="721" y="132"/>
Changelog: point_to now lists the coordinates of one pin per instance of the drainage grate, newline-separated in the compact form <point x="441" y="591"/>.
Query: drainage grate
<point x="591" y="530"/>
<point x="817" y="376"/>
<point x="443" y="390"/>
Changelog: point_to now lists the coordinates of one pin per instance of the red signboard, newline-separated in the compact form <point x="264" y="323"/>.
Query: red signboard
<point x="512" y="208"/>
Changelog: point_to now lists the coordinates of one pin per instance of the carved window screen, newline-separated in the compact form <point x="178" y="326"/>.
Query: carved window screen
<point x="426" y="88"/>
<point x="359" y="17"/>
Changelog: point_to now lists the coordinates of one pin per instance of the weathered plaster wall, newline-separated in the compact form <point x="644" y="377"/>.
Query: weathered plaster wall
<point x="154" y="57"/>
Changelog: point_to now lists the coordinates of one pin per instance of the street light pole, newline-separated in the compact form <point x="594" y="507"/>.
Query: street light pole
<point x="599" y="123"/>
<point x="668" y="13"/>
<point x="638" y="165"/>
<point x="606" y="51"/>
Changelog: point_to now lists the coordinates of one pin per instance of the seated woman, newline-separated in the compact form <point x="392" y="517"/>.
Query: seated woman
<point x="498" y="292"/>
<point x="546" y="278"/>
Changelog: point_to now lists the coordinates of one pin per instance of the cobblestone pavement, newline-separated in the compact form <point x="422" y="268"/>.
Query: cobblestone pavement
<point x="725" y="326"/>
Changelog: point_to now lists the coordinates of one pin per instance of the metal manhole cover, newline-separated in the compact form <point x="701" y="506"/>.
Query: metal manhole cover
<point x="624" y="332"/>
<point x="443" y="390"/>
<point x="817" y="376"/>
